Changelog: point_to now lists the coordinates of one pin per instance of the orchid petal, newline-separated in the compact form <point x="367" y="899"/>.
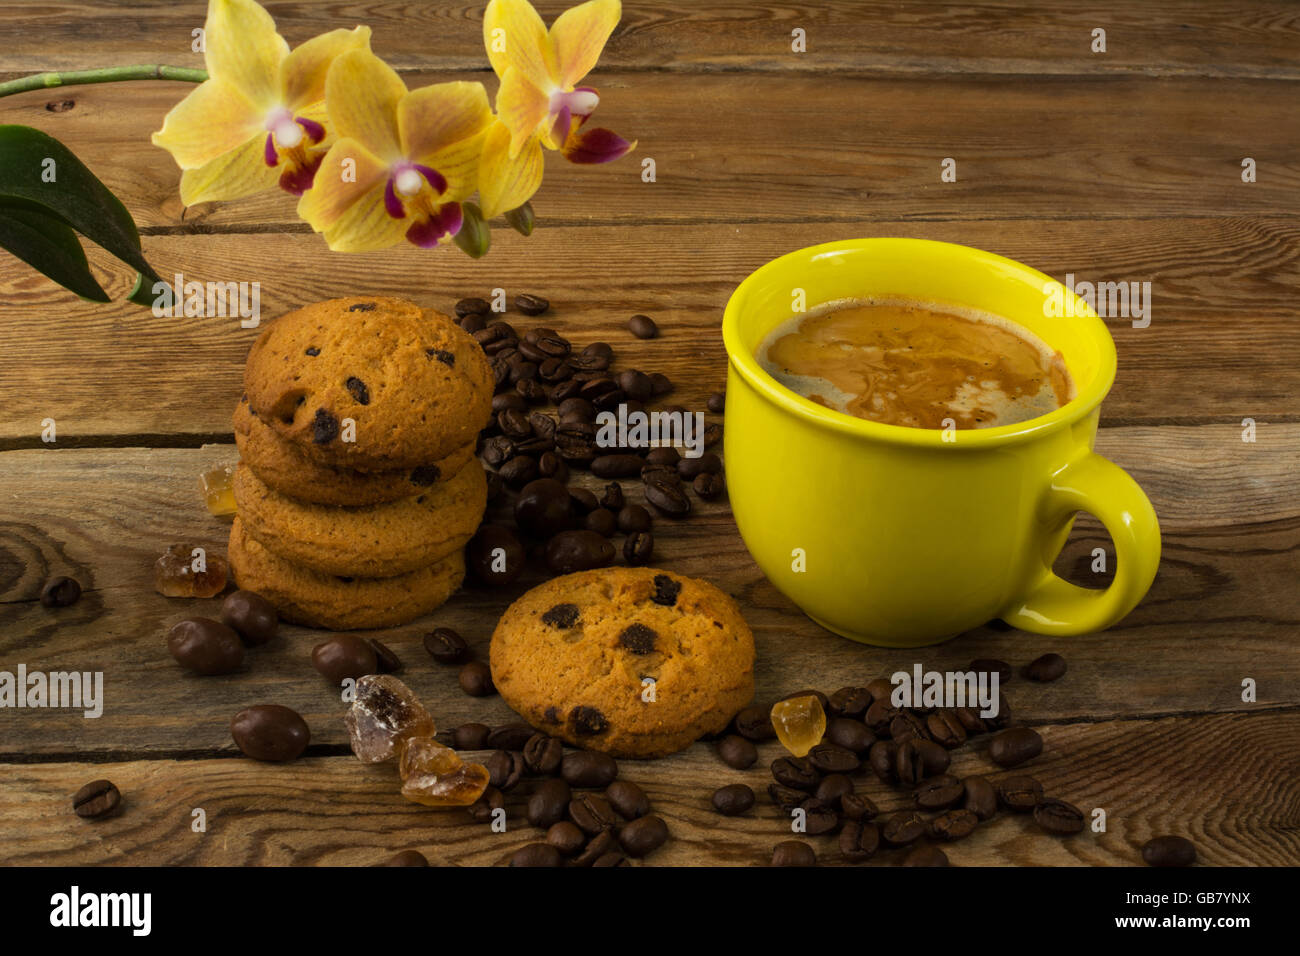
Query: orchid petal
<point x="365" y="224"/>
<point x="521" y="106"/>
<point x="392" y="205"/>
<point x="597" y="145"/>
<point x="527" y="47"/>
<point x="302" y="72"/>
<point x="296" y="180"/>
<point x="232" y="175"/>
<point x="270" y="155"/>
<point x="347" y="173"/>
<point x="578" y="36"/>
<point x="427" y="233"/>
<point x="506" y="181"/>
<point x="434" y="178"/>
<point x="207" y="123"/>
<point x="314" y="130"/>
<point x="434" y="117"/>
<point x="560" y="129"/>
<point x="362" y="93"/>
<point x="242" y="48"/>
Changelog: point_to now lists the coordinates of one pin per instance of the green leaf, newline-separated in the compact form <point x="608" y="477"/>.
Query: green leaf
<point x="38" y="173"/>
<point x="49" y="246"/>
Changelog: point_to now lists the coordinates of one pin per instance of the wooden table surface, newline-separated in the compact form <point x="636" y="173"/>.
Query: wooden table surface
<point x="1121" y="166"/>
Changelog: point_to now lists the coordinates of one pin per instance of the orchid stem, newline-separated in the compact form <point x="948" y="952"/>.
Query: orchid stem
<point x="109" y="74"/>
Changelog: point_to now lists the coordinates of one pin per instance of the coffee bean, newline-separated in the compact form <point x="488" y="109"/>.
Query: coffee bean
<point x="518" y="471"/>
<point x="754" y="723"/>
<point x="472" y="323"/>
<point x="708" y="487"/>
<point x="616" y="466"/>
<point x="531" y="304"/>
<point x="642" y="326"/>
<point x="903" y="827"/>
<point x="205" y="646"/>
<point x="406" y="858"/>
<point x="637" y="384"/>
<point x="883" y="760"/>
<point x="513" y="736"/>
<point x="588" y="769"/>
<point x="542" y="754"/>
<point x="60" y="592"/>
<point x="1049" y="667"/>
<point x="907" y="726"/>
<point x="953" y="825"/>
<point x="633" y="518"/>
<point x="638" y="548"/>
<point x="707" y="463"/>
<point x="599" y="847"/>
<point x="566" y="837"/>
<point x="576" y="441"/>
<point x="737" y="752"/>
<point x="472" y="306"/>
<point x="505" y="769"/>
<point x="938" y="793"/>
<point x="628" y="799"/>
<point x="1012" y="747"/>
<point x="97" y="799"/>
<point x="733" y="799"/>
<point x="1002" y="717"/>
<point x="475" y="679"/>
<point x="592" y="813"/>
<point x="918" y="759"/>
<point x="784" y="797"/>
<point x="494" y="556"/>
<point x="818" y="818"/>
<point x="554" y="369"/>
<point x="833" y="788"/>
<point x="798" y="773"/>
<point x="537" y="854"/>
<point x="1058" y="816"/>
<point x="612" y="499"/>
<point x="385" y="656"/>
<point x="643" y="836"/>
<point x="270" y="732"/>
<point x="832" y="758"/>
<point x="926" y="856"/>
<point x="880" y="689"/>
<point x="543" y="508"/>
<point x="1020" y="793"/>
<point x="980" y="797"/>
<point x="497" y="450"/>
<point x="508" y="400"/>
<point x="251" y="616"/>
<point x="717" y="403"/>
<point x="1169" y="851"/>
<point x="551" y="465"/>
<point x="576" y="409"/>
<point x="667" y="497"/>
<point x="793" y="853"/>
<point x="991" y="665"/>
<point x="514" y="424"/>
<point x="483" y="810"/>
<point x="848" y="702"/>
<point x="661" y="384"/>
<point x="666" y="455"/>
<point x="855" y="806"/>
<point x="945" y="729"/>
<point x="344" y="657"/>
<point x="571" y="551"/>
<point x="446" y="646"/>
<point x="850" y="734"/>
<point x="471" y="736"/>
<point x="859" y="841"/>
<point x="880" y="715"/>
<point x="712" y="434"/>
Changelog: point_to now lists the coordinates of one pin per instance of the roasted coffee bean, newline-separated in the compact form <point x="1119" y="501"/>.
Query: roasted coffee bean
<point x="1049" y="667"/>
<point x="643" y="836"/>
<point x="97" y="799"/>
<point x="582" y="501"/>
<point x="848" y="702"/>
<point x="494" y="332"/>
<point x="543" y="508"/>
<point x="880" y="715"/>
<point x="601" y="521"/>
<point x="576" y="409"/>
<point x="505" y="768"/>
<point x="599" y="846"/>
<point x="717" y="403"/>
<point x="628" y="799"/>
<point x="508" y="400"/>
<point x="883" y="760"/>
<point x="566" y="837"/>
<point x="1012" y="747"/>
<point x="471" y="736"/>
<point x="543" y="425"/>
<point x="531" y="304"/>
<point x="733" y="799"/>
<point x="707" y="463"/>
<point x="785" y="798"/>
<point x="542" y="754"/>
<point x="907" y="726"/>
<point x="880" y="689"/>
<point x="633" y="518"/>
<point x="938" y="793"/>
<point x="548" y="804"/>
<point x="1169" y="851"/>
<point x="664" y="473"/>
<point x="833" y="788"/>
<point x="616" y="466"/>
<point x="344" y="657"/>
<point x="638" y="548"/>
<point x="818" y="817"/>
<point x="532" y="392"/>
<point x="537" y="855"/>
<point x="553" y="345"/>
<point x="610" y="401"/>
<point x="667" y="497"/>
<point x="926" y="856"/>
<point x="980" y="797"/>
<point x="571" y="551"/>
<point x="497" y="450"/>
<point x="953" y="825"/>
<point x="567" y="389"/>
<point x="494" y="556"/>
<point x="666" y="455"/>
<point x="945" y="728"/>
<point x="1020" y="793"/>
<point x="636" y="384"/>
<point x="593" y="388"/>
<point x="793" y="853"/>
<point x="514" y="424"/>
<point x="385" y="657"/>
<point x="500" y="374"/>
<point x="512" y="736"/>
<point x="483" y="809"/>
<point x="918" y="759"/>
<point x="902" y="828"/>
<point x="737" y="752"/>
<point x="1058" y="816"/>
<point x="612" y="497"/>
<point x="642" y="326"/>
<point x="859" y="841"/>
<point x="518" y="471"/>
<point x="60" y="592"/>
<point x="832" y="758"/>
<point x="592" y="813"/>
<point x="798" y="773"/>
<point x="991" y="665"/>
<point x="472" y="323"/>
<point x="251" y="616"/>
<point x="406" y="858"/>
<point x="970" y="720"/>
<point x="270" y="732"/>
<point x="551" y="465"/>
<point x="552" y="370"/>
<point x="475" y="679"/>
<point x="1003" y="716"/>
<point x="522" y="371"/>
<point x="205" y="646"/>
<point x="855" y="806"/>
<point x="446" y="646"/>
<point x="576" y="441"/>
<point x="588" y="769"/>
<point x="754" y="723"/>
<point x="472" y="306"/>
<point x="712" y="434"/>
<point x="661" y="384"/>
<point x="850" y="734"/>
<point x="708" y="487"/>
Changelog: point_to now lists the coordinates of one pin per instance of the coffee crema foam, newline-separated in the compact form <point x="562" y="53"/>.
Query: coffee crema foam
<point x="904" y="362"/>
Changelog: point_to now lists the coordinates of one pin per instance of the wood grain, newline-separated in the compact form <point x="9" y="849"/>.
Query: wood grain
<point x="1229" y="783"/>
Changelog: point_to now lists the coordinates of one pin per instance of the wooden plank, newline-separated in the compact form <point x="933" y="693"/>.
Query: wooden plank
<point x="1222" y="781"/>
<point x="1175" y="37"/>
<point x="1220" y="346"/>
<point x="1223" y="607"/>
<point x="867" y="146"/>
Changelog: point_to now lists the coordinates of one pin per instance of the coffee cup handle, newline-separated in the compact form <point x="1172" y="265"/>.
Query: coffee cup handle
<point x="1053" y="605"/>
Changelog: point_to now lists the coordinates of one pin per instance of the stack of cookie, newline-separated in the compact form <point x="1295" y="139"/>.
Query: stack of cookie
<point x="358" y="486"/>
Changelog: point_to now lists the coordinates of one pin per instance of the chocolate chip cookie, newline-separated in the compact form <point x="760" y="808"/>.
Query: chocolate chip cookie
<point x="374" y="541"/>
<point x="373" y="384"/>
<point x="635" y="662"/>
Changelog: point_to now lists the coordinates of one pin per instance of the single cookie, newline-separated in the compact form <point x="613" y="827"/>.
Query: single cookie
<point x="282" y="466"/>
<point x="573" y="655"/>
<point x="308" y="597"/>
<point x="374" y="384"/>
<point x="375" y="541"/>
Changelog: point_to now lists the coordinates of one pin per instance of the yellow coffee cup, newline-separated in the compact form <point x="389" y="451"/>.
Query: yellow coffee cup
<point x="907" y="536"/>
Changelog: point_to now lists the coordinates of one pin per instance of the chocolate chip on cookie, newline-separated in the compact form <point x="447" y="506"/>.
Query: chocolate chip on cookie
<point x="324" y="427"/>
<point x="358" y="390"/>
<point x="588" y="721"/>
<point x="362" y="307"/>
<point x="562" y="616"/>
<point x="442" y="355"/>
<point x="666" y="590"/>
<point x="638" y="638"/>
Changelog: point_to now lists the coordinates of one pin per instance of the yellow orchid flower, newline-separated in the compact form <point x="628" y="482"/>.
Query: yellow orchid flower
<point x="259" y="118"/>
<point x="403" y="162"/>
<point x="539" y="103"/>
